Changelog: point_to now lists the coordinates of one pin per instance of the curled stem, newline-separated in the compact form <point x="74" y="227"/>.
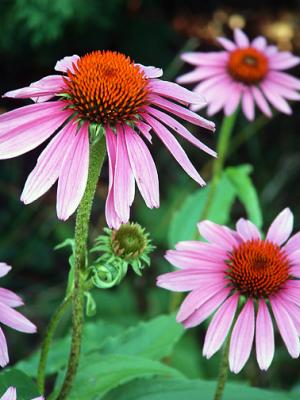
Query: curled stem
<point x="81" y="236"/>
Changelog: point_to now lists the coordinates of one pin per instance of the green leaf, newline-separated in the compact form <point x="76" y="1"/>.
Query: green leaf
<point x="153" y="339"/>
<point x="184" y="223"/>
<point x="178" y="389"/>
<point x="26" y="388"/>
<point x="94" y="336"/>
<point x="246" y="192"/>
<point x="98" y="374"/>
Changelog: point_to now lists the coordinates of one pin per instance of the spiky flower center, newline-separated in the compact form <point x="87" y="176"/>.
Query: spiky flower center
<point x="106" y="87"/>
<point x="258" y="268"/>
<point x="129" y="241"/>
<point x="247" y="65"/>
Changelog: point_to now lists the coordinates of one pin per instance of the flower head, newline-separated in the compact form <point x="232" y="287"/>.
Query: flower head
<point x="11" y="394"/>
<point x="251" y="72"/>
<point x="106" y="90"/>
<point x="10" y="317"/>
<point x="243" y="279"/>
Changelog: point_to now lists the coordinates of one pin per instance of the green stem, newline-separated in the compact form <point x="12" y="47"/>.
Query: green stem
<point x="97" y="156"/>
<point x="218" y="165"/>
<point x="223" y="372"/>
<point x="61" y="309"/>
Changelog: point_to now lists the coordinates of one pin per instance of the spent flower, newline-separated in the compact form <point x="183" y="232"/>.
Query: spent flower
<point x="244" y="280"/>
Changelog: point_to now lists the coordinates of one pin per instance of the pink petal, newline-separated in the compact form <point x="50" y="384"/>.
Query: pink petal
<point x="242" y="338"/>
<point x="281" y="227"/>
<point x="151" y="72"/>
<point x="219" y="326"/>
<point x="182" y="112"/>
<point x="4" y="269"/>
<point x="67" y="63"/>
<point x="174" y="147"/>
<point x="212" y="58"/>
<point x="144" y="129"/>
<point x="261" y="101"/>
<point x="41" y="90"/>
<point x="283" y="60"/>
<point x="143" y="167"/>
<point x="176" y="92"/>
<point x="248" y="104"/>
<point x="48" y="165"/>
<point x="204" y="311"/>
<point x="4" y="358"/>
<point x="274" y="98"/>
<point x="259" y="43"/>
<point x="241" y="38"/>
<point x="10" y="394"/>
<point x="184" y="280"/>
<point x="264" y="336"/>
<point x="234" y="99"/>
<point x="29" y="135"/>
<point x="112" y="219"/>
<point x="247" y="230"/>
<point x="180" y="129"/>
<point x="10" y="298"/>
<point x="286" y="328"/>
<point x="293" y="244"/>
<point x="198" y="74"/>
<point x="197" y="297"/>
<point x="123" y="179"/>
<point x="15" y="320"/>
<point x="217" y="234"/>
<point x="226" y="43"/>
<point x="187" y="259"/>
<point x="284" y="79"/>
<point x="73" y="173"/>
<point x="203" y="251"/>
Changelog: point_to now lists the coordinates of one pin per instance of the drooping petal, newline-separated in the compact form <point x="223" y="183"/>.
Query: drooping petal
<point x="197" y="297"/>
<point x="293" y="244"/>
<point x="204" y="311"/>
<point x="10" y="298"/>
<point x="4" y="358"/>
<point x="281" y="227"/>
<point x="176" y="92"/>
<point x="174" y="147"/>
<point x="261" y="101"/>
<point x="286" y="328"/>
<point x="217" y="234"/>
<point x="112" y="218"/>
<point x="48" y="165"/>
<point x="264" y="336"/>
<point x="247" y="230"/>
<point x="184" y="280"/>
<point x="66" y="63"/>
<point x="27" y="136"/>
<point x="242" y="338"/>
<point x="180" y="129"/>
<point x="15" y="320"/>
<point x="73" y="173"/>
<point x="143" y="167"/>
<point x="10" y="394"/>
<point x="241" y="38"/>
<point x="144" y="129"/>
<point x="182" y="112"/>
<point x="42" y="90"/>
<point x="4" y="269"/>
<point x="124" y="185"/>
<point x="248" y="104"/>
<point x="185" y="259"/>
<point x="234" y="98"/>
<point x="219" y="326"/>
<point x="275" y="99"/>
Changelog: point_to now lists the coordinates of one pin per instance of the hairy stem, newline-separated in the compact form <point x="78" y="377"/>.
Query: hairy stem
<point x="223" y="372"/>
<point x="97" y="155"/>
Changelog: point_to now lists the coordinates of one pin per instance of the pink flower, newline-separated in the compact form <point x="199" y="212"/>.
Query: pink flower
<point x="10" y="317"/>
<point x="239" y="275"/>
<point x="11" y="394"/>
<point x="246" y="72"/>
<point x="100" y="89"/>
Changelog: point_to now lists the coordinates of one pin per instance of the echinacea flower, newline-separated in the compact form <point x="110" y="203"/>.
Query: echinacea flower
<point x="9" y="316"/>
<point x="244" y="280"/>
<point x="101" y="89"/>
<point x="245" y="72"/>
<point x="11" y="394"/>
